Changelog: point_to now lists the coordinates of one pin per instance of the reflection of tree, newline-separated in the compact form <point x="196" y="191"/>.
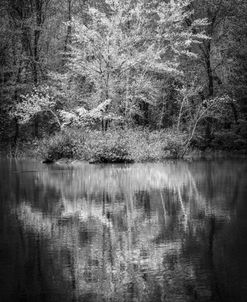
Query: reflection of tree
<point x="107" y="259"/>
<point x="129" y="231"/>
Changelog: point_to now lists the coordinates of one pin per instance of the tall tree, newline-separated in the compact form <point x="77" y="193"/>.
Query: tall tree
<point x="124" y="53"/>
<point x="211" y="51"/>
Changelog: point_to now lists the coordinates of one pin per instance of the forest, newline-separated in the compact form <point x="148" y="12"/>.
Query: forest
<point x="122" y="80"/>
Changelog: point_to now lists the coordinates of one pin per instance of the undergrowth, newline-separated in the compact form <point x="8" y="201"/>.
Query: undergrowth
<point x="122" y="145"/>
<point x="119" y="145"/>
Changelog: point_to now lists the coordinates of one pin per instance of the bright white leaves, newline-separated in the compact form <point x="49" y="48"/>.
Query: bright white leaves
<point x="37" y="101"/>
<point x="82" y="117"/>
<point x="136" y="39"/>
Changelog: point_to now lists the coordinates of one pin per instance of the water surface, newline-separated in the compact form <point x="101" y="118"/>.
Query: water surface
<point x="174" y="231"/>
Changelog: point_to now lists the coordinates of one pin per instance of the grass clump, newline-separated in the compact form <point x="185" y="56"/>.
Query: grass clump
<point x="108" y="147"/>
<point x="65" y="144"/>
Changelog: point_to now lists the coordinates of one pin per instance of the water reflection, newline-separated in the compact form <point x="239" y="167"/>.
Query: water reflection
<point x="145" y="232"/>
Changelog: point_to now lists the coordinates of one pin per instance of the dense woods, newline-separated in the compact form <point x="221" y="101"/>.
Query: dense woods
<point x="129" y="80"/>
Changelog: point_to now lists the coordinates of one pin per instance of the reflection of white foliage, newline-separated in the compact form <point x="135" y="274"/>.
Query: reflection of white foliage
<point x="113" y="244"/>
<point x="34" y="220"/>
<point x="84" y="210"/>
<point x="111" y="276"/>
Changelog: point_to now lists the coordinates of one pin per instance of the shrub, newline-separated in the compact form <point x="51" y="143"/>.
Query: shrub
<point x="65" y="144"/>
<point x="128" y="145"/>
<point x="243" y="128"/>
<point x="199" y="143"/>
<point x="109" y="147"/>
<point x="144" y="145"/>
<point x="226" y="140"/>
<point x="174" y="143"/>
<point x="113" y="146"/>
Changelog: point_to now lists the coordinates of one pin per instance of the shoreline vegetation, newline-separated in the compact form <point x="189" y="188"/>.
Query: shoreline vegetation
<point x="124" y="80"/>
<point x="125" y="146"/>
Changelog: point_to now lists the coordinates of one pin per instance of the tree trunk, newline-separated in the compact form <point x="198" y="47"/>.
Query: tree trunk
<point x="36" y="56"/>
<point x="69" y="29"/>
<point x="162" y="115"/>
<point x="235" y="112"/>
<point x="180" y="113"/>
<point x="210" y="74"/>
<point x="36" y="127"/>
<point x="16" y="136"/>
<point x="145" y="107"/>
<point x="37" y="32"/>
<point x="208" y="130"/>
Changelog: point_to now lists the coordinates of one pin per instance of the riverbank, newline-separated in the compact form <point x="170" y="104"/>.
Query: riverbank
<point x="123" y="146"/>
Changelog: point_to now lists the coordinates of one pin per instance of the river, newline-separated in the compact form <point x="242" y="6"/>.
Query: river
<point x="172" y="231"/>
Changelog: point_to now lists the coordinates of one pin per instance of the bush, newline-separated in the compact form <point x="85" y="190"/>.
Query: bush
<point x="65" y="144"/>
<point x="109" y="147"/>
<point x="144" y="145"/>
<point x="125" y="146"/>
<point x="226" y="140"/>
<point x="174" y="143"/>
<point x="242" y="128"/>
<point x="199" y="143"/>
<point x="113" y="146"/>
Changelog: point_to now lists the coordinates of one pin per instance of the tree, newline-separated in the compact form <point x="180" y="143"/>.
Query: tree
<point x="235" y="64"/>
<point x="214" y="108"/>
<point x="211" y="51"/>
<point x="212" y="70"/>
<point x="124" y="54"/>
<point x="23" y="63"/>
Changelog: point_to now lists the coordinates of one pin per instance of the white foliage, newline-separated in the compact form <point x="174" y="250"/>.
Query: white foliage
<point x="32" y="103"/>
<point x="81" y="117"/>
<point x="133" y="40"/>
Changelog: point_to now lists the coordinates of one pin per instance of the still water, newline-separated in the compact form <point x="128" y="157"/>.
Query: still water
<point x="174" y="231"/>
